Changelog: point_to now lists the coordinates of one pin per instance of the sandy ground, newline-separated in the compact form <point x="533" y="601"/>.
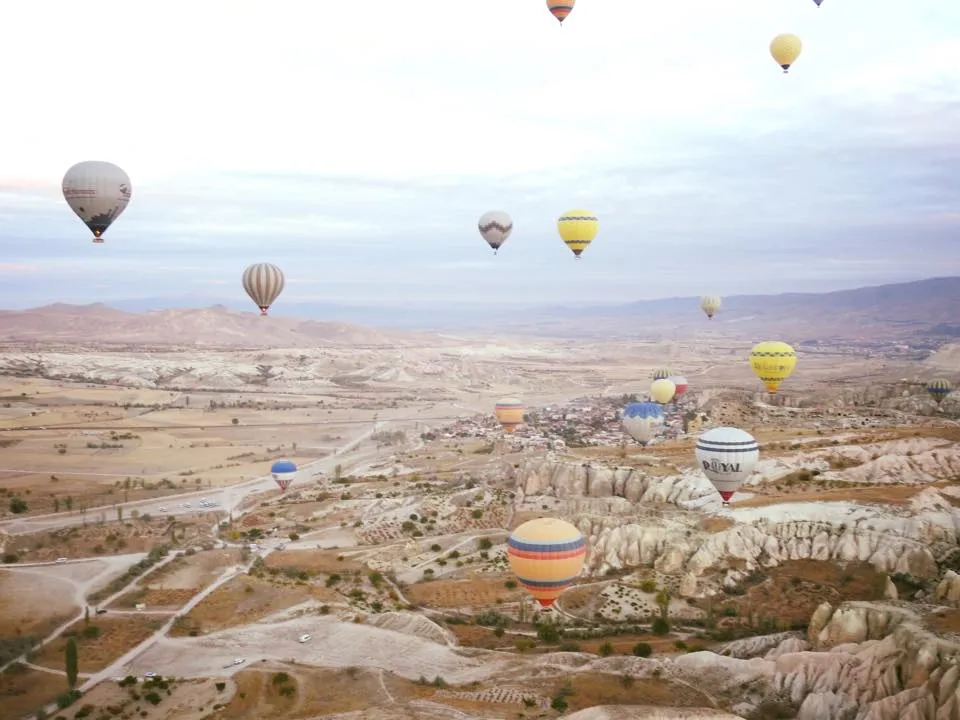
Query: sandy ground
<point x="334" y="644"/>
<point x="43" y="596"/>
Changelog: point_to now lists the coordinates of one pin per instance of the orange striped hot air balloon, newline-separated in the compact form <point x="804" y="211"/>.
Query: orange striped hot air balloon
<point x="546" y="555"/>
<point x="509" y="412"/>
<point x="560" y="8"/>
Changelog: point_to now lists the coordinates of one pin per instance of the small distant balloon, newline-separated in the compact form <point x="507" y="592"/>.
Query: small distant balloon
<point x="577" y="229"/>
<point x="560" y="8"/>
<point x="98" y="192"/>
<point x="284" y="472"/>
<point x="263" y="282"/>
<point x="641" y="420"/>
<point x="785" y="49"/>
<point x="495" y="228"/>
<point x="509" y="412"/>
<point x="662" y="391"/>
<point x="773" y="362"/>
<point x="939" y="389"/>
<point x="710" y="304"/>
<point x="680" y="382"/>
<point x="661" y="373"/>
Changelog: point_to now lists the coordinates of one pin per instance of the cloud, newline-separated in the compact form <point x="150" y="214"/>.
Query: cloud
<point x="357" y="148"/>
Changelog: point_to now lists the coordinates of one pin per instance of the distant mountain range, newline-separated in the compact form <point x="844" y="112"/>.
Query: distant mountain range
<point x="216" y="326"/>
<point x="925" y="312"/>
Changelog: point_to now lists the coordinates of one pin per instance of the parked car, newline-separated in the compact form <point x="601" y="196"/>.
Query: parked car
<point x="303" y="638"/>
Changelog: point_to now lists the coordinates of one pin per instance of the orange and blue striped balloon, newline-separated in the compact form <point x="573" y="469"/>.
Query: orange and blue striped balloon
<point x="560" y="8"/>
<point x="546" y="555"/>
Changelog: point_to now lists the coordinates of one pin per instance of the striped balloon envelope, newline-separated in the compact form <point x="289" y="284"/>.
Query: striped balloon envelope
<point x="560" y="8"/>
<point x="546" y="555"/>
<point x="939" y="389"/>
<point x="727" y="456"/>
<point x="509" y="412"/>
<point x="263" y="282"/>
<point x="661" y="373"/>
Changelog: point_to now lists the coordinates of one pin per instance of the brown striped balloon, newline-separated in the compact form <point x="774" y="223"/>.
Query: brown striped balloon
<point x="263" y="282"/>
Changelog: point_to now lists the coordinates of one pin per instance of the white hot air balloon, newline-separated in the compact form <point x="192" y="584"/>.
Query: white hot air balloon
<point x="263" y="282"/>
<point x="495" y="227"/>
<point x="727" y="456"/>
<point x="98" y="192"/>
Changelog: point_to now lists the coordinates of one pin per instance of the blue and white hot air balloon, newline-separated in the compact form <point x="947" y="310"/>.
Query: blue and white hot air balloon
<point x="284" y="473"/>
<point x="641" y="420"/>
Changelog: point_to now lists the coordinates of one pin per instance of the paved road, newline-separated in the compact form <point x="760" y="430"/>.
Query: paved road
<point x="223" y="499"/>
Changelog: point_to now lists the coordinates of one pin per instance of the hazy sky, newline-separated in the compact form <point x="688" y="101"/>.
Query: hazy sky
<point x="356" y="143"/>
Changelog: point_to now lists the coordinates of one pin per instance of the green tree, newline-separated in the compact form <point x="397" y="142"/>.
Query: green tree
<point x="69" y="503"/>
<point x="70" y="659"/>
<point x="119" y="513"/>
<point x="86" y="615"/>
<point x="18" y="505"/>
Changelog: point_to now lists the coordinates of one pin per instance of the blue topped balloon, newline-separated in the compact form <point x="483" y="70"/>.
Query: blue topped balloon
<point x="284" y="473"/>
<point x="641" y="420"/>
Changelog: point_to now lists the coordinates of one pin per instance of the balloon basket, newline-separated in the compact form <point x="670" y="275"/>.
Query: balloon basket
<point x="98" y="241"/>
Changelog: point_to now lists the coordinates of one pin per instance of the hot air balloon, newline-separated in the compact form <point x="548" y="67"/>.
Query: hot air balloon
<point x="710" y="304"/>
<point x="560" y="8"/>
<point x="818" y="2"/>
<point x="577" y="229"/>
<point x="98" y="192"/>
<point x="509" y="412"/>
<point x="641" y="420"/>
<point x="661" y="373"/>
<point x="785" y="49"/>
<point x="546" y="555"/>
<point x="773" y="361"/>
<point x="662" y="391"/>
<point x="263" y="282"/>
<point x="939" y="389"/>
<point x="284" y="473"/>
<point x="495" y="227"/>
<point x="727" y="456"/>
<point x="680" y="382"/>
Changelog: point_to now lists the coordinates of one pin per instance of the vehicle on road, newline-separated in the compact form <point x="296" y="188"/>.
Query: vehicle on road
<point x="303" y="638"/>
<point x="163" y="509"/>
<point x="61" y="560"/>
<point x="150" y="674"/>
<point x="239" y="661"/>
<point x="101" y="611"/>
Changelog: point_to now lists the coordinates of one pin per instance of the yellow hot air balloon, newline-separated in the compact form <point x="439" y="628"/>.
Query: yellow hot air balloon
<point x="785" y="49"/>
<point x="546" y="555"/>
<point x="662" y="390"/>
<point x="773" y="361"/>
<point x="509" y="412"/>
<point x="577" y="229"/>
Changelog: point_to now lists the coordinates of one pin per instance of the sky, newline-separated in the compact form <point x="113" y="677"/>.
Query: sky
<point x="355" y="144"/>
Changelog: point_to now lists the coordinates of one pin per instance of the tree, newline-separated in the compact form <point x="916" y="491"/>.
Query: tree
<point x="56" y="504"/>
<point x="86" y="615"/>
<point x="69" y="503"/>
<point x="235" y="421"/>
<point x="70" y="653"/>
<point x="643" y="650"/>
<point x="18" y="505"/>
<point x="119" y="513"/>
